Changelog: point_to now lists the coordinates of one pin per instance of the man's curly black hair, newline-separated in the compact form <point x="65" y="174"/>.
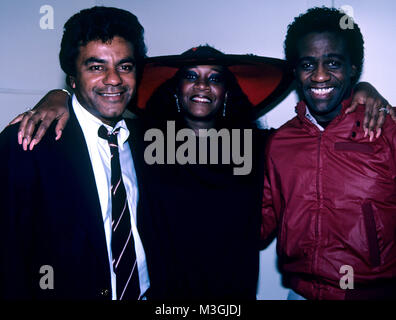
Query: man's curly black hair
<point x="325" y="20"/>
<point x="100" y="23"/>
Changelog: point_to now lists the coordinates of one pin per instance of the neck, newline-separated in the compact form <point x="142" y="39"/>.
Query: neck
<point x="109" y="122"/>
<point x="328" y="116"/>
<point x="196" y="125"/>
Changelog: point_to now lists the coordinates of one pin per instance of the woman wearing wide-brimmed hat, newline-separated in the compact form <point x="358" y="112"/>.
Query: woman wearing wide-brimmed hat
<point x="252" y="84"/>
<point x="206" y="217"/>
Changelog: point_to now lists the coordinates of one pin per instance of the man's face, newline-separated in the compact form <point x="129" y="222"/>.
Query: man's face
<point x="105" y="78"/>
<point x="323" y="73"/>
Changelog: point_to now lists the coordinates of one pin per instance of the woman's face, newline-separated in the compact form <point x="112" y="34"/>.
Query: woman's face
<point x="202" y="91"/>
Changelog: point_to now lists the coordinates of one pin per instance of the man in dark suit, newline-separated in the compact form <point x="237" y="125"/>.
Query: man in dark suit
<point x="69" y="207"/>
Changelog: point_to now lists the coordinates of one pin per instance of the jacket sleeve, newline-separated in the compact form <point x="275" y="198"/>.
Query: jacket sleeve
<point x="16" y="202"/>
<point x="393" y="148"/>
<point x="389" y="134"/>
<point x="271" y="198"/>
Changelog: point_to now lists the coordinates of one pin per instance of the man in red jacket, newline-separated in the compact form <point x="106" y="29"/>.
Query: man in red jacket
<point x="329" y="191"/>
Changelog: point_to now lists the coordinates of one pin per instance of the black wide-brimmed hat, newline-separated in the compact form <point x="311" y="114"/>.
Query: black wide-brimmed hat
<point x="262" y="79"/>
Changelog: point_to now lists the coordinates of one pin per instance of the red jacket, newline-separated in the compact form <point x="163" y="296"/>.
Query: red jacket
<point x="332" y="196"/>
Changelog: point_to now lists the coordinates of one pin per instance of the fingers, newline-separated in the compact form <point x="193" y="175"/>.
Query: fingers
<point x="356" y="100"/>
<point x="363" y="91"/>
<point x="380" y="123"/>
<point x="352" y="108"/>
<point x="376" y="109"/>
<point x="17" y="119"/>
<point x="30" y="121"/>
<point x="22" y="126"/>
<point x="373" y="123"/>
<point x="29" y="128"/>
<point x="42" y="129"/>
<point x="375" y="116"/>
<point x="383" y="111"/>
<point x="354" y="104"/>
<point x="61" y="125"/>
<point x="380" y="109"/>
<point x="45" y="124"/>
<point x="367" y="118"/>
<point x="392" y="111"/>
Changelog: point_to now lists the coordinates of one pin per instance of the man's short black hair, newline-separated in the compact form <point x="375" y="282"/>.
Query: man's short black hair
<point x="325" y="20"/>
<point x="100" y="23"/>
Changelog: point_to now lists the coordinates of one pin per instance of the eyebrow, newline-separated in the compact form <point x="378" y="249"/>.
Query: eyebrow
<point x="218" y="70"/>
<point x="214" y="68"/>
<point x="330" y="55"/>
<point x="93" y="60"/>
<point x="98" y="60"/>
<point x="127" y="60"/>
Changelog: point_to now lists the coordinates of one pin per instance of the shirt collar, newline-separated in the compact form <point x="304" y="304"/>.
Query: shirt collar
<point x="310" y="117"/>
<point x="303" y="112"/>
<point x="90" y="124"/>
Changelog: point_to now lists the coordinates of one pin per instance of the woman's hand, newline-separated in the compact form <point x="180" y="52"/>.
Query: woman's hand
<point x="376" y="108"/>
<point x="54" y="105"/>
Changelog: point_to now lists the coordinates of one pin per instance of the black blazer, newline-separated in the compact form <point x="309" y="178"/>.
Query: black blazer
<point x="50" y="215"/>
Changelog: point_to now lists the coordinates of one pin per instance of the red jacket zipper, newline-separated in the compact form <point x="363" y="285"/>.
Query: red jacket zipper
<point x="317" y="217"/>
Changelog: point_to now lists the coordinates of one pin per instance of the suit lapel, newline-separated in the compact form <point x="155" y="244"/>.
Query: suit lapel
<point x="75" y="153"/>
<point x="136" y="143"/>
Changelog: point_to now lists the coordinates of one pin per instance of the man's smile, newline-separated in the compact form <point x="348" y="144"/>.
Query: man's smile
<point x="321" y="93"/>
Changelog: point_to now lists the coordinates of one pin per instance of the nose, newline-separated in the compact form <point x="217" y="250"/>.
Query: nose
<point x="112" y="77"/>
<point x="320" y="74"/>
<point x="201" y="84"/>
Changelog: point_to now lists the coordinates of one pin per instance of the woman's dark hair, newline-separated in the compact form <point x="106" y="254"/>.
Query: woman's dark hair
<point x="100" y="23"/>
<point x="162" y="104"/>
<point x="325" y="20"/>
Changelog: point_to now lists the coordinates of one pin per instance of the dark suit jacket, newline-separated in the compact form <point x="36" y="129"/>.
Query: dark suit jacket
<point x="50" y="215"/>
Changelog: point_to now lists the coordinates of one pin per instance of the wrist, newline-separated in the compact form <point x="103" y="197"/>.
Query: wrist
<point x="68" y="93"/>
<point x="362" y="86"/>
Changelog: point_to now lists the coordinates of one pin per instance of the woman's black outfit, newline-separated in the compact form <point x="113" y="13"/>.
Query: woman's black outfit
<point x="207" y="223"/>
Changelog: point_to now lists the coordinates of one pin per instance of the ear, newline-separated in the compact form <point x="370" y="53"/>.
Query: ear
<point x="72" y="81"/>
<point x="353" y="72"/>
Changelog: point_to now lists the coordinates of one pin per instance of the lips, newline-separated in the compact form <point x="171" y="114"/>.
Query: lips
<point x="322" y="91"/>
<point x="201" y="99"/>
<point x="110" y="94"/>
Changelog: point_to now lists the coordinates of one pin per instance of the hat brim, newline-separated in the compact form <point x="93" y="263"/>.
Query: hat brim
<point x="262" y="79"/>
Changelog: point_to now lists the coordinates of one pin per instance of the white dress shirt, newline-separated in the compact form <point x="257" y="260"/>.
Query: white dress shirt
<point x="99" y="153"/>
<point x="312" y="119"/>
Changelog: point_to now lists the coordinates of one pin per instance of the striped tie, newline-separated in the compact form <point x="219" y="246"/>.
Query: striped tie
<point x="122" y="244"/>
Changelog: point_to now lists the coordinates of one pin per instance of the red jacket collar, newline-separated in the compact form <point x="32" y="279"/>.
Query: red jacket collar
<point x="301" y="107"/>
